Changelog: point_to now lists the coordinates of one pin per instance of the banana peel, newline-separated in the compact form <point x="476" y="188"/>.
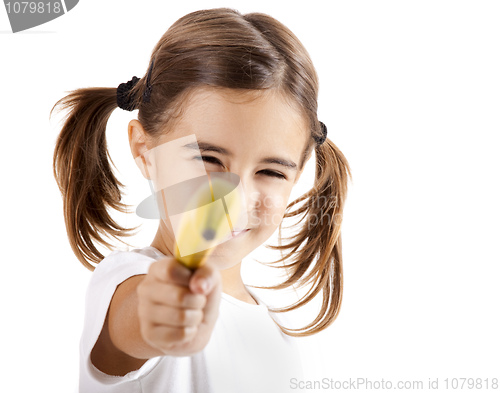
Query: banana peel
<point x="205" y="225"/>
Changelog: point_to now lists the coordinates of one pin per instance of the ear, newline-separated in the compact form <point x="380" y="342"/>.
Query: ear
<point x="139" y="145"/>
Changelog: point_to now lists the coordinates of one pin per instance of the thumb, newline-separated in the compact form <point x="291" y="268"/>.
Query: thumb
<point x="208" y="275"/>
<point x="204" y="279"/>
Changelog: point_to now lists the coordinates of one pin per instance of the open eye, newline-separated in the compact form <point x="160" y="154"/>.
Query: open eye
<point x="215" y="161"/>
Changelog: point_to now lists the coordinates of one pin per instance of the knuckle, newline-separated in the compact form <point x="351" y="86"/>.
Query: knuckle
<point x="201" y="315"/>
<point x="196" y="317"/>
<point x="166" y="315"/>
<point x="187" y="332"/>
<point x="163" y="335"/>
<point x="194" y="300"/>
<point x="180" y="297"/>
<point x="154" y="267"/>
<point x="174" y="334"/>
<point x="170" y="271"/>
<point x="201" y="301"/>
<point x="158" y="315"/>
<point x="182" y="316"/>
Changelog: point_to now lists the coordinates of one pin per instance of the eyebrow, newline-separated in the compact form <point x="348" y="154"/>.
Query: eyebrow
<point x="205" y="146"/>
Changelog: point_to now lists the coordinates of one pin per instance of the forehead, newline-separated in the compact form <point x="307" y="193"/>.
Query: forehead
<point x="257" y="120"/>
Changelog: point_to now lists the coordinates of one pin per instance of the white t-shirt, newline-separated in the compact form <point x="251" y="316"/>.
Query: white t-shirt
<point x="247" y="352"/>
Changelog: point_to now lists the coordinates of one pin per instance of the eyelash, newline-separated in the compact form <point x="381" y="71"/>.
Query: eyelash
<point x="214" y="160"/>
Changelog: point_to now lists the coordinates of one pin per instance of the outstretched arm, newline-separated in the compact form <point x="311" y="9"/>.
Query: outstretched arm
<point x="165" y="312"/>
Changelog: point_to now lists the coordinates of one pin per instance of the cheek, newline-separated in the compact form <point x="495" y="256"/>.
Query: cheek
<point x="267" y="207"/>
<point x="272" y="209"/>
<point x="274" y="202"/>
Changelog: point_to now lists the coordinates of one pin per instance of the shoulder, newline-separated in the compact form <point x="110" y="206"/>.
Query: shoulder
<point x="117" y="267"/>
<point x="123" y="264"/>
<point x="130" y="256"/>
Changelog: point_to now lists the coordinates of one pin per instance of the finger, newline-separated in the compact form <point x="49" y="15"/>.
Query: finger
<point x="172" y="335"/>
<point x="173" y="316"/>
<point x="170" y="270"/>
<point x="172" y="295"/>
<point x="211" y="310"/>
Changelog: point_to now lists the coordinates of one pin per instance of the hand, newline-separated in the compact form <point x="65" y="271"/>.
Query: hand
<point x="178" y="308"/>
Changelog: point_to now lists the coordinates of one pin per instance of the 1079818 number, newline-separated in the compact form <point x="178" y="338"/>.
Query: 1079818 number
<point x="471" y="383"/>
<point x="33" y="7"/>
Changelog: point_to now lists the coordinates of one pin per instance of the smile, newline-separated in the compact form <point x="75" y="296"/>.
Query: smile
<point x="239" y="233"/>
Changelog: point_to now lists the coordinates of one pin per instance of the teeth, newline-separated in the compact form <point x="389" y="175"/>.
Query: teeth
<point x="236" y="233"/>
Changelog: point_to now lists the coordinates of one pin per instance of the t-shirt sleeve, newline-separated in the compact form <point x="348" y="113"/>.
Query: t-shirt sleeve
<point x="109" y="273"/>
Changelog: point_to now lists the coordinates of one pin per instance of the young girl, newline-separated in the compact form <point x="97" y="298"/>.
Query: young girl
<point x="246" y="89"/>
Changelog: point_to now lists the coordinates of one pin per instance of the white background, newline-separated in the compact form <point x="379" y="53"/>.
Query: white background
<point x="410" y="94"/>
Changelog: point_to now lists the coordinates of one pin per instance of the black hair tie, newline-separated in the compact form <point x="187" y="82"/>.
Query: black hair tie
<point x="321" y="139"/>
<point x="124" y="99"/>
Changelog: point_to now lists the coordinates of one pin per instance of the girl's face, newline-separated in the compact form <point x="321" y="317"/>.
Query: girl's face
<point x="262" y="141"/>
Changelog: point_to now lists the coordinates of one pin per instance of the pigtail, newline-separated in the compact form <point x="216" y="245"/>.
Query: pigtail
<point x="319" y="261"/>
<point x="82" y="169"/>
<point x="219" y="48"/>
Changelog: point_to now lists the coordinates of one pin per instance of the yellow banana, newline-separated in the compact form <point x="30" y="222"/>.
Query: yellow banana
<point x="204" y="225"/>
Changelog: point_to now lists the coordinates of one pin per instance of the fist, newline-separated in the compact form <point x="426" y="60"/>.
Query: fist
<point x="178" y="308"/>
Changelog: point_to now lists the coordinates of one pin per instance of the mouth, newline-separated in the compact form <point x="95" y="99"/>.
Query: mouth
<point x="237" y="233"/>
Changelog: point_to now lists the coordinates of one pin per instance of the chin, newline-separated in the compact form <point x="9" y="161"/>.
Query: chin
<point x="230" y="253"/>
<point x="221" y="261"/>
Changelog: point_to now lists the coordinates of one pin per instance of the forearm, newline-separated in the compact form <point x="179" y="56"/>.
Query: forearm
<point x="120" y="347"/>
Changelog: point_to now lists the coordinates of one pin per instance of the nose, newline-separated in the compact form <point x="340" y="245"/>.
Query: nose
<point x="251" y="201"/>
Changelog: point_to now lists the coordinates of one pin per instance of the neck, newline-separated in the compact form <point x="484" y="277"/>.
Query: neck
<point x="233" y="285"/>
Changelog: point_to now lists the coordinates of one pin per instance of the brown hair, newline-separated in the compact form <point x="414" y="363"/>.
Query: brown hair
<point x="219" y="48"/>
